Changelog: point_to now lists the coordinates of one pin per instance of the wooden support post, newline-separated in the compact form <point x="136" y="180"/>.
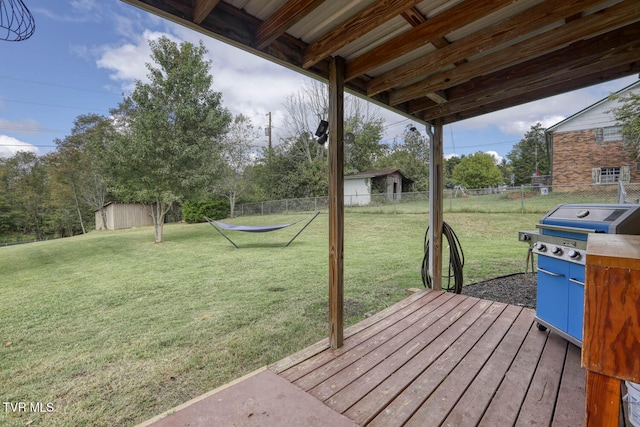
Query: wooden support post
<point x="436" y="185"/>
<point x="336" y="202"/>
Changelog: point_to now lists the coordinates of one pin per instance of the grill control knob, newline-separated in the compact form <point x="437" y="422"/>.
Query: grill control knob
<point x="541" y="247"/>
<point x="574" y="254"/>
<point x="556" y="250"/>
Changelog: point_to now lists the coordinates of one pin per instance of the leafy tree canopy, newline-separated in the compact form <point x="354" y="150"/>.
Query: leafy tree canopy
<point x="628" y="116"/>
<point x="530" y="156"/>
<point x="411" y="156"/>
<point x="169" y="130"/>
<point x="478" y="170"/>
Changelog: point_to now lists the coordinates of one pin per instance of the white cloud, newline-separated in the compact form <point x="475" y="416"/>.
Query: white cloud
<point x="249" y="85"/>
<point x="518" y="120"/>
<point x="10" y="145"/>
<point x="496" y="156"/>
<point x="126" y="61"/>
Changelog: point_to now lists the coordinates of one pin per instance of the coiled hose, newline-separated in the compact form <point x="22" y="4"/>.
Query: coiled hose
<point x="456" y="261"/>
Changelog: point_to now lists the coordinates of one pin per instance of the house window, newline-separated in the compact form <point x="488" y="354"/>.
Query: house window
<point x="608" y="134"/>
<point x="610" y="175"/>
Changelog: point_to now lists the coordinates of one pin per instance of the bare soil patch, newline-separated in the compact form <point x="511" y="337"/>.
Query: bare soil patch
<point x="516" y="289"/>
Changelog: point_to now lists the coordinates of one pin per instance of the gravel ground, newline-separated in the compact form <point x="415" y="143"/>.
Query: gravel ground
<point x="516" y="289"/>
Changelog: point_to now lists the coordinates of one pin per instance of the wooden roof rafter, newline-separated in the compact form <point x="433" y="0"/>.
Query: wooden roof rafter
<point x="202" y="9"/>
<point x="421" y="67"/>
<point x="575" y="30"/>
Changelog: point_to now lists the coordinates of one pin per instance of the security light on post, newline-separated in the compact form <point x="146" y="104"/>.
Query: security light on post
<point x="321" y="132"/>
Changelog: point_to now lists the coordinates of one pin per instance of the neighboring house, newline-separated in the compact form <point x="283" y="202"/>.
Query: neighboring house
<point x="587" y="147"/>
<point x="124" y="215"/>
<point x="359" y="187"/>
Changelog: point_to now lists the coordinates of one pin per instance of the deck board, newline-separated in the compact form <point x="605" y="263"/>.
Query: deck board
<point x="391" y="354"/>
<point x="539" y="404"/>
<point x="451" y="375"/>
<point x="433" y="359"/>
<point x="366" y="402"/>
<point x="314" y="362"/>
<point x="440" y="359"/>
<point x="472" y="405"/>
<point x="381" y="345"/>
<point x="573" y="379"/>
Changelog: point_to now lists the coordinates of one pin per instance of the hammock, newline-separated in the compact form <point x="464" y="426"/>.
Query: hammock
<point x="219" y="226"/>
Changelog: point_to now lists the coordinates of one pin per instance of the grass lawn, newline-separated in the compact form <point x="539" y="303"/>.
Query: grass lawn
<point x="112" y="329"/>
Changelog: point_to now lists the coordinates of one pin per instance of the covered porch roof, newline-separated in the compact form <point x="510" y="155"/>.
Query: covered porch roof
<point x="448" y="59"/>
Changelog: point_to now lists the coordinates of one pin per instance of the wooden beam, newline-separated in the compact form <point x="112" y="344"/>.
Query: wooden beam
<point x="611" y="18"/>
<point x="439" y="97"/>
<point x="352" y="29"/>
<point x="462" y="14"/>
<point x="413" y="16"/>
<point x="287" y="16"/>
<point x="613" y="54"/>
<point x="436" y="186"/>
<point x="525" y="22"/>
<point x="202" y="9"/>
<point x="336" y="202"/>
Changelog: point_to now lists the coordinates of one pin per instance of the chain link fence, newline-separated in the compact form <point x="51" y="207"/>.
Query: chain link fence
<point x="523" y="199"/>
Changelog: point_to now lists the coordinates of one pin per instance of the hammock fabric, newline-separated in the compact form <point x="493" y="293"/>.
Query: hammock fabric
<point x="256" y="228"/>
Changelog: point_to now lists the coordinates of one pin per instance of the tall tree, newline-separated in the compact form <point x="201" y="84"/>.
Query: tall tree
<point x="297" y="167"/>
<point x="169" y="131"/>
<point x="26" y="181"/>
<point x="286" y="174"/>
<point x="411" y="156"/>
<point x="80" y="166"/>
<point x="530" y="156"/>
<point x="236" y="155"/>
<point x="449" y="166"/>
<point x="363" y="150"/>
<point x="477" y="170"/>
<point x="628" y="116"/>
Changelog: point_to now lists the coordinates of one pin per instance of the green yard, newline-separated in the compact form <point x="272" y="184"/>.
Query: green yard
<point x="111" y="329"/>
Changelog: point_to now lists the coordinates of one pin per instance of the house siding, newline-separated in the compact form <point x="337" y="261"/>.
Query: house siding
<point x="357" y="192"/>
<point x="579" y="147"/>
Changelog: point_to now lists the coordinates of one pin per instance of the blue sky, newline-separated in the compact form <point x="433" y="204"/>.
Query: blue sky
<point x="85" y="54"/>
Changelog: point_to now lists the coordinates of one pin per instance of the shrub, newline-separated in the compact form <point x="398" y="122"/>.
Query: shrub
<point x="194" y="211"/>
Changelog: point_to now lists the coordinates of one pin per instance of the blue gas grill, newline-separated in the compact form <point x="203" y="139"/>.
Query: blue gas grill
<point x="561" y="245"/>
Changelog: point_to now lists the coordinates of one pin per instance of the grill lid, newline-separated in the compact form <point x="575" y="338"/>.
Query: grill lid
<point x="603" y="218"/>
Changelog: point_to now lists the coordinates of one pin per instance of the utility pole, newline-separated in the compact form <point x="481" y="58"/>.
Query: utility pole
<point x="269" y="130"/>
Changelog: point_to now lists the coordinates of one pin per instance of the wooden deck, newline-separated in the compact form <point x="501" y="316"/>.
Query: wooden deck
<point x="444" y="359"/>
<point x="433" y="359"/>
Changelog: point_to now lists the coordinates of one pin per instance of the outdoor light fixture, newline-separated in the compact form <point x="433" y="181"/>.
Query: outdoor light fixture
<point x="321" y="132"/>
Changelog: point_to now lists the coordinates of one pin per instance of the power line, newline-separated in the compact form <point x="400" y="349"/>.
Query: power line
<point x="56" y="85"/>
<point x="27" y="145"/>
<point x="30" y="129"/>
<point x="54" y="105"/>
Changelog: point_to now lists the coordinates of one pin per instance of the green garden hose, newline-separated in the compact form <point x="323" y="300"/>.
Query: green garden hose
<point x="456" y="261"/>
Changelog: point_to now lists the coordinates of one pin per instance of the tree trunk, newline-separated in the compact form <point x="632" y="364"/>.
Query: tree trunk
<point x="75" y="197"/>
<point x="232" y="204"/>
<point x="159" y="210"/>
<point x="103" y="214"/>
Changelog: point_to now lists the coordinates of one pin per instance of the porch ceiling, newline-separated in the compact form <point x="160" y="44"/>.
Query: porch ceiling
<point x="449" y="59"/>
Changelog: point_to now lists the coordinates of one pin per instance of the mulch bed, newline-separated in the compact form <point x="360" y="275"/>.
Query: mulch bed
<point x="516" y="289"/>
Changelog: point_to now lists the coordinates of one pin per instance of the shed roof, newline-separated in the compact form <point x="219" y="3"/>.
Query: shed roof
<point x="435" y="59"/>
<point x="376" y="174"/>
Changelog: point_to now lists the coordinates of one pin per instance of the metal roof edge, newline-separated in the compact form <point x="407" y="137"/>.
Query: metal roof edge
<point x="550" y="129"/>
